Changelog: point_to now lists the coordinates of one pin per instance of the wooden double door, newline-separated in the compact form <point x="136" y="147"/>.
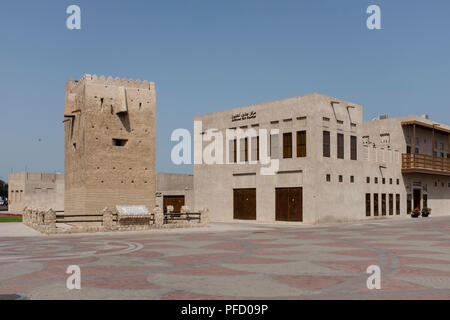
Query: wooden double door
<point x="176" y="201"/>
<point x="244" y="204"/>
<point x="289" y="204"/>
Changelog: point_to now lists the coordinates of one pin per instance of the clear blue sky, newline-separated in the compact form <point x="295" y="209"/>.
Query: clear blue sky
<point x="211" y="55"/>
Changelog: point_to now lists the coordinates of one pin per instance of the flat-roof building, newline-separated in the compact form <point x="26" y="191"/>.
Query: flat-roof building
<point x="35" y="190"/>
<point x="45" y="191"/>
<point x="176" y="190"/>
<point x="332" y="166"/>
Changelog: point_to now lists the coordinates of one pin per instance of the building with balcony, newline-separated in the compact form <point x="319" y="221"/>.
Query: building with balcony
<point x="424" y="146"/>
<point x="332" y="166"/>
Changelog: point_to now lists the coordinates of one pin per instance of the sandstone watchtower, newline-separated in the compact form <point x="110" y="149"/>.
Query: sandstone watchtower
<point x="109" y="128"/>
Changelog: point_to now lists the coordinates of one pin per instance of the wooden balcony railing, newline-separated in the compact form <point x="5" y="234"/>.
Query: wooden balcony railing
<point x="412" y="162"/>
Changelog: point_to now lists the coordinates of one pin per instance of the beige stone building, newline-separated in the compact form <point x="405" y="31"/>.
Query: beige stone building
<point x="109" y="144"/>
<point x="35" y="190"/>
<point x="46" y="191"/>
<point x="176" y="190"/>
<point x="333" y="167"/>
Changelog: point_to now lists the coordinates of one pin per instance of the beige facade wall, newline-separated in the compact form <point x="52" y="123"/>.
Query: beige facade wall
<point x="35" y="190"/>
<point x="46" y="190"/>
<point x="109" y="144"/>
<point x="171" y="184"/>
<point x="323" y="201"/>
<point x="386" y="140"/>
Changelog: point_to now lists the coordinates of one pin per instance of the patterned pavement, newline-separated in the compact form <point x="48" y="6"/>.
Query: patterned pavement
<point x="236" y="261"/>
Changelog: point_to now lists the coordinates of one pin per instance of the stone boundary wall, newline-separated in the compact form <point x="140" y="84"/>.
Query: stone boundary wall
<point x="46" y="222"/>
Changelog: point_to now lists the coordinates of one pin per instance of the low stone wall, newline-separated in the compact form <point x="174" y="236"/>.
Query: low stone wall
<point x="46" y="221"/>
<point x="42" y="221"/>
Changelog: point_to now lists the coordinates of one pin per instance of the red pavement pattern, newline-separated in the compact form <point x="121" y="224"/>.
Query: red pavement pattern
<point x="276" y="262"/>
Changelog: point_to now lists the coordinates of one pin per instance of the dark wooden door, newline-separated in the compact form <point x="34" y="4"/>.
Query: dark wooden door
<point x="244" y="204"/>
<point x="295" y="204"/>
<point x="289" y="204"/>
<point x="176" y="201"/>
<point x="282" y="204"/>
<point x="416" y="198"/>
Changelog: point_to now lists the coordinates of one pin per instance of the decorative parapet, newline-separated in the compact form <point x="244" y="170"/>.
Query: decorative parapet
<point x="159" y="217"/>
<point x="108" y="220"/>
<point x="46" y="221"/>
<point x="40" y="220"/>
<point x="50" y="220"/>
<point x="34" y="217"/>
<point x="26" y="216"/>
<point x="185" y="209"/>
<point x="130" y="83"/>
<point x="204" y="217"/>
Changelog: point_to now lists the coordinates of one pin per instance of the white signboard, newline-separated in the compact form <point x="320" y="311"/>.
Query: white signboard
<point x="132" y="209"/>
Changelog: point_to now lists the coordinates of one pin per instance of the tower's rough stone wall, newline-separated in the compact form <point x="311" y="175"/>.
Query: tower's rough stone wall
<point x="109" y="129"/>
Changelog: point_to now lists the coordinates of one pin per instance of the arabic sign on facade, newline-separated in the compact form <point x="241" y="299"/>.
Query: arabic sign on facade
<point x="243" y="116"/>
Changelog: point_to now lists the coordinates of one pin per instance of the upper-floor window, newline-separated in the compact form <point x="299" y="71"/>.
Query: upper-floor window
<point x="255" y="149"/>
<point x="354" y="148"/>
<point x="340" y="146"/>
<point x="232" y="151"/>
<point x="365" y="140"/>
<point x="302" y="121"/>
<point x="274" y="146"/>
<point x="385" y="138"/>
<point x="301" y="144"/>
<point x="243" y="145"/>
<point x="326" y="144"/>
<point x="287" y="145"/>
<point x="118" y="142"/>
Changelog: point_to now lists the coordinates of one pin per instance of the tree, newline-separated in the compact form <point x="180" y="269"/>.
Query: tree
<point x="3" y="189"/>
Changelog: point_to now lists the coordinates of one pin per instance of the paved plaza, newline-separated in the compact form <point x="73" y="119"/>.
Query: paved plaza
<point x="233" y="261"/>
